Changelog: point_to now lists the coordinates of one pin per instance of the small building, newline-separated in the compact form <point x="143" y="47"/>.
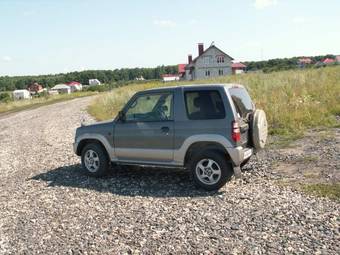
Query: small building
<point x="35" y="88"/>
<point x="211" y="62"/>
<point x="53" y="92"/>
<point x="21" y="94"/>
<point x="170" y="77"/>
<point x="94" y="82"/>
<point x="238" y="68"/>
<point x="328" y="61"/>
<point x="140" y="78"/>
<point x="75" y="86"/>
<point x="62" y="88"/>
<point x="302" y="62"/>
<point x="337" y="59"/>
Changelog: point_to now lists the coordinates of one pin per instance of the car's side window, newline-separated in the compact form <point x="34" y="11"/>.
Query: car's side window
<point x="204" y="105"/>
<point x="151" y="107"/>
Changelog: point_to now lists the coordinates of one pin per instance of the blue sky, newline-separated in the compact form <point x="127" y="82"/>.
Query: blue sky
<point x="41" y="37"/>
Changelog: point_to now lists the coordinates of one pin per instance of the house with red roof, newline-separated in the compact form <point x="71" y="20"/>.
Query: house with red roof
<point x="75" y="86"/>
<point x="328" y="61"/>
<point x="35" y="88"/>
<point x="302" y="62"/>
<point x="238" y="68"/>
<point x="211" y="62"/>
<point x="337" y="59"/>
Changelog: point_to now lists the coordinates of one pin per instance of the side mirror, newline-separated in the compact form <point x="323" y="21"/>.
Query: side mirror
<point x="121" y="116"/>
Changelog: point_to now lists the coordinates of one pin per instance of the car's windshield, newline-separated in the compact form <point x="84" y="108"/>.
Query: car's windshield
<point x="241" y="100"/>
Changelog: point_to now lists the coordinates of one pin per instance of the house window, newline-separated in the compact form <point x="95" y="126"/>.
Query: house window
<point x="220" y="59"/>
<point x="220" y="72"/>
<point x="207" y="73"/>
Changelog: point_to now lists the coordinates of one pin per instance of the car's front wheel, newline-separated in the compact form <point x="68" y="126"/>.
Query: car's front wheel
<point x="94" y="160"/>
<point x="210" y="170"/>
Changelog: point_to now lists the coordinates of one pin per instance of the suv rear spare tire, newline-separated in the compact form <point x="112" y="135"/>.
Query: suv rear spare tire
<point x="259" y="129"/>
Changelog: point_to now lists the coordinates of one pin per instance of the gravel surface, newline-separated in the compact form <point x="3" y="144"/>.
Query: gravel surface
<point x="47" y="205"/>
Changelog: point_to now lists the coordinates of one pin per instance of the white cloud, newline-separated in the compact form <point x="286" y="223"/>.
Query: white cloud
<point x="7" y="58"/>
<point x="164" y="23"/>
<point x="261" y="4"/>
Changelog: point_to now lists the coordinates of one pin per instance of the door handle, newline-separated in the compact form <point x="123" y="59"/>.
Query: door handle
<point x="165" y="129"/>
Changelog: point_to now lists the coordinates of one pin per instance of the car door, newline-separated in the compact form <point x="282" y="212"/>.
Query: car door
<point x="147" y="131"/>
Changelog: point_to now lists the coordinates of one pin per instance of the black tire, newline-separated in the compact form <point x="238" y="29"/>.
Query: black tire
<point x="245" y="162"/>
<point x="226" y="170"/>
<point x="104" y="164"/>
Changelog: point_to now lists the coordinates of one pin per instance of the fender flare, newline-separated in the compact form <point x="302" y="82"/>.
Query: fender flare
<point x="98" y="137"/>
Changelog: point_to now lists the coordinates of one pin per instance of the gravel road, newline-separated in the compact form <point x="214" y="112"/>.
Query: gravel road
<point x="47" y="206"/>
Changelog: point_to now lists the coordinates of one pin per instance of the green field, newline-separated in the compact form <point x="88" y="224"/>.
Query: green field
<point x="14" y="106"/>
<point x="293" y="100"/>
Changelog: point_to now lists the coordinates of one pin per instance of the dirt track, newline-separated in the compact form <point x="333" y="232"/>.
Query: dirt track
<point x="48" y="206"/>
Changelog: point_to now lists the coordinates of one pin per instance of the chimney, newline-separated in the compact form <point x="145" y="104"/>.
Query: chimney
<point x="200" y="49"/>
<point x="189" y="59"/>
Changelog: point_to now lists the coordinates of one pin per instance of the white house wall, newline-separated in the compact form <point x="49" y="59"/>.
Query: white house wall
<point x="208" y="62"/>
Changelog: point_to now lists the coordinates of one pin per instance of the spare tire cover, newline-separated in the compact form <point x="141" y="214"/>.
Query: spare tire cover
<point x="260" y="129"/>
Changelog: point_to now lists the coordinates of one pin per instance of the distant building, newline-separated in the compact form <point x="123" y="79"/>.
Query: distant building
<point x="94" y="82"/>
<point x="211" y="62"/>
<point x="302" y="62"/>
<point x="337" y="59"/>
<point x="328" y="61"/>
<point x="21" y="94"/>
<point x="170" y="77"/>
<point x="35" y="88"/>
<point x="140" y="78"/>
<point x="62" y="88"/>
<point x="238" y="68"/>
<point x="75" y="86"/>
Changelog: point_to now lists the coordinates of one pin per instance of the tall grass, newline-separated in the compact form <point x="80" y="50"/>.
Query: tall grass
<point x="293" y="100"/>
<point x="13" y="106"/>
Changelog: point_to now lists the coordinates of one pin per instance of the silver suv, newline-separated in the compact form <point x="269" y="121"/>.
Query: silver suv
<point x="212" y="130"/>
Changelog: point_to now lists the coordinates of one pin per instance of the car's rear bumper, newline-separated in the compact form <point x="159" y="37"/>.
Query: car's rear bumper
<point x="239" y="154"/>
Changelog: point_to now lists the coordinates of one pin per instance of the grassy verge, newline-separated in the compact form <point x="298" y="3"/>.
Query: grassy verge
<point x="15" y="106"/>
<point x="324" y="190"/>
<point x="293" y="100"/>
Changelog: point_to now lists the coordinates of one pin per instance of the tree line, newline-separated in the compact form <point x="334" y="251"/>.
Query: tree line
<point x="8" y="83"/>
<point x="123" y="76"/>
<point x="280" y="64"/>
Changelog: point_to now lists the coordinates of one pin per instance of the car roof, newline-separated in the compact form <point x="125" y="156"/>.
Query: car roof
<point x="194" y="86"/>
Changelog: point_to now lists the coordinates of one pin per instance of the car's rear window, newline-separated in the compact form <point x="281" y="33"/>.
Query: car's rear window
<point x="204" y="105"/>
<point x="241" y="100"/>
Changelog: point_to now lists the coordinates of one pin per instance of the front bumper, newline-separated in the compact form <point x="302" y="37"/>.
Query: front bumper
<point x="75" y="147"/>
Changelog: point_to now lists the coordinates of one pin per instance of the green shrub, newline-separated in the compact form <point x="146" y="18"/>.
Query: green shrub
<point x="5" y="97"/>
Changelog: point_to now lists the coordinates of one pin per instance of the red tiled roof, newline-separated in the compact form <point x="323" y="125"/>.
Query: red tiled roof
<point x="328" y="61"/>
<point x="181" y="68"/>
<point x="337" y="58"/>
<point x="238" y="65"/>
<point x="73" y="83"/>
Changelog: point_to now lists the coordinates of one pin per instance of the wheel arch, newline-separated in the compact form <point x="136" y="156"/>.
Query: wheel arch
<point x="199" y="147"/>
<point x="86" y="141"/>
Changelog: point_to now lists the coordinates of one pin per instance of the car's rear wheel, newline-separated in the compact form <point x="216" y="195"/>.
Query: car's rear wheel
<point x="210" y="170"/>
<point x="94" y="160"/>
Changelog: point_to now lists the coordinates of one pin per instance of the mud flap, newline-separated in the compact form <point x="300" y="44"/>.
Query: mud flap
<point x="237" y="172"/>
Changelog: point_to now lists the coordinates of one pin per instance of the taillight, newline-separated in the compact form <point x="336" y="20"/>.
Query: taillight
<point x="235" y="132"/>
